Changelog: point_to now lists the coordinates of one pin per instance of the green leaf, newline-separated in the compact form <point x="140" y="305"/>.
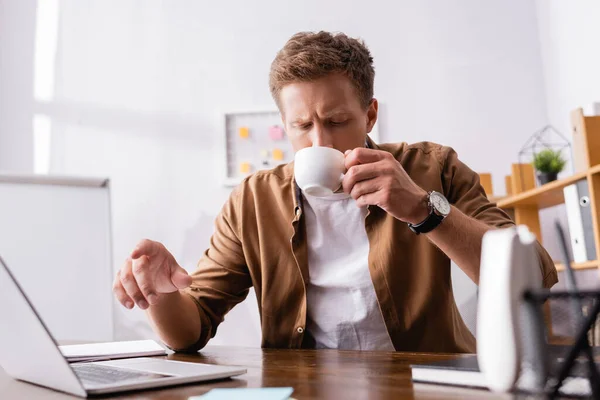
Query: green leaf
<point x="549" y="161"/>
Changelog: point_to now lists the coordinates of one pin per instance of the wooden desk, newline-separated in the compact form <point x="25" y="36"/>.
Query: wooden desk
<point x="322" y="374"/>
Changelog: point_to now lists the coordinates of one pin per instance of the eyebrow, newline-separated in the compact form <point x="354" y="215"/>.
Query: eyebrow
<point x="327" y="115"/>
<point x="299" y="121"/>
<point x="337" y="112"/>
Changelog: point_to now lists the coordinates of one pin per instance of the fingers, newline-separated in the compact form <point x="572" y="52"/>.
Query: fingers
<point x="142" y="274"/>
<point x="360" y="173"/>
<point x="150" y="271"/>
<point x="180" y="278"/>
<point x="363" y="155"/>
<point x="120" y="293"/>
<point x="130" y="285"/>
<point x="364" y="188"/>
<point x="369" y="199"/>
<point x="146" y="247"/>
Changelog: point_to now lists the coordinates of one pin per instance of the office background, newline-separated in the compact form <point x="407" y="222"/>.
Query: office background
<point x="136" y="91"/>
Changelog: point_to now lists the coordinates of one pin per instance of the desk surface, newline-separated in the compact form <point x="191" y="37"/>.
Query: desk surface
<point x="322" y="374"/>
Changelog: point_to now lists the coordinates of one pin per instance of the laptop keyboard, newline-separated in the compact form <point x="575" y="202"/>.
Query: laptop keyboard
<point x="92" y="374"/>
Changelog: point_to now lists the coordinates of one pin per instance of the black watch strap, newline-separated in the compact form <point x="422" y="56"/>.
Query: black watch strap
<point x="430" y="223"/>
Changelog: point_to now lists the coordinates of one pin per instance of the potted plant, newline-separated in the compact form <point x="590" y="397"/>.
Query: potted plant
<point x="548" y="163"/>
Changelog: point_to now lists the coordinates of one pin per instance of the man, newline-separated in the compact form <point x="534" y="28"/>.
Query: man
<point x="368" y="268"/>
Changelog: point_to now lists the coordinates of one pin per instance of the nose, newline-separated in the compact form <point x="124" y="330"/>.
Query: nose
<point x="321" y="138"/>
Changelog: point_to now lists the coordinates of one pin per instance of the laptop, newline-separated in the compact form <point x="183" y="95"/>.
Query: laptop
<point x="28" y="352"/>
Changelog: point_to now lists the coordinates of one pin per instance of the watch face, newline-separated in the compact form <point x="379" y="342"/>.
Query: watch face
<point x="439" y="203"/>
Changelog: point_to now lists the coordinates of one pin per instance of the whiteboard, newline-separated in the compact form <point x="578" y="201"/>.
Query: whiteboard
<point x="55" y="236"/>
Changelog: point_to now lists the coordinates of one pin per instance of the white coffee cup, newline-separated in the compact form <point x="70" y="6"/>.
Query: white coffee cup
<point x="319" y="170"/>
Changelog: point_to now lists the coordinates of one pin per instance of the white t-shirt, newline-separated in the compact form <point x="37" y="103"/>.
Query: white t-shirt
<point x="343" y="312"/>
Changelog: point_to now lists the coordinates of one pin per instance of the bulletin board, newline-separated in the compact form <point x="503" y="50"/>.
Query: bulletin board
<point x="254" y="141"/>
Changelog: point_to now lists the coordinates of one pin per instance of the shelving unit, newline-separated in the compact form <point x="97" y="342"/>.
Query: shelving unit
<point x="525" y="206"/>
<point x="548" y="195"/>
<point x="527" y="200"/>
<point x="524" y="200"/>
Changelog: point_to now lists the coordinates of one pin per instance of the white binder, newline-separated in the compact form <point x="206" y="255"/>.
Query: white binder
<point x="579" y="214"/>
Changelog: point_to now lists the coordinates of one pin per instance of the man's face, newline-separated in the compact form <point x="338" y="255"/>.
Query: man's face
<point x="326" y="112"/>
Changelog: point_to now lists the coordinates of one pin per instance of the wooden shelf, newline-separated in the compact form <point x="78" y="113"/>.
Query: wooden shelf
<point x="548" y="195"/>
<point x="594" y="170"/>
<point x="544" y="196"/>
<point x="496" y="199"/>
<point x="583" y="265"/>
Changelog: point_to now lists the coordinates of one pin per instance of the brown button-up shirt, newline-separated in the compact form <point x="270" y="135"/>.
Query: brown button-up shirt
<point x="260" y="241"/>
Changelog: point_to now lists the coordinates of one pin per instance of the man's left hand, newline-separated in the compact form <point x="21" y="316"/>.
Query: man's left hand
<point x="375" y="177"/>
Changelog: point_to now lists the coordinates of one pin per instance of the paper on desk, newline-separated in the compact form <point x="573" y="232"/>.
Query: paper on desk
<point x="247" y="394"/>
<point x="112" y="350"/>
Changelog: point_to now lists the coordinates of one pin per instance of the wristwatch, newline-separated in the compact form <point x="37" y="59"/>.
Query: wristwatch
<point x="439" y="208"/>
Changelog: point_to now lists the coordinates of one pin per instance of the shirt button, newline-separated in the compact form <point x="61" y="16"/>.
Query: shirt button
<point x="300" y="329"/>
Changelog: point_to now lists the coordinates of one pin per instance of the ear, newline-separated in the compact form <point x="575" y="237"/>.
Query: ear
<point x="372" y="111"/>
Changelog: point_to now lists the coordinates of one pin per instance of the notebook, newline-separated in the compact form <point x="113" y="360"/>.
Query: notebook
<point x="112" y="350"/>
<point x="270" y="393"/>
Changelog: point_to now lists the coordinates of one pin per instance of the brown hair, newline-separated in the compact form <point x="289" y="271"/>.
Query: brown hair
<point x="308" y="56"/>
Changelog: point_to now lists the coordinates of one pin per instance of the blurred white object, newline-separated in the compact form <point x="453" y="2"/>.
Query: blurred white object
<point x="509" y="266"/>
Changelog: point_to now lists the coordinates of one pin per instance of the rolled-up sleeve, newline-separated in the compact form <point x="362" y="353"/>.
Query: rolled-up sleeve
<point x="222" y="279"/>
<point x="463" y="189"/>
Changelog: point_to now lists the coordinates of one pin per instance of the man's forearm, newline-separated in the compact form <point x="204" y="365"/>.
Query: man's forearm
<point x="176" y="320"/>
<point x="459" y="237"/>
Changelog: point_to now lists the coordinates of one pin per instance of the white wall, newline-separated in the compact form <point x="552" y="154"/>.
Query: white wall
<point x="17" y="28"/>
<point x="140" y="86"/>
<point x="569" y="34"/>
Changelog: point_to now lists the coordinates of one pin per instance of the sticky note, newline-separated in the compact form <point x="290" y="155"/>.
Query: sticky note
<point x="245" y="168"/>
<point x="244" y="132"/>
<point x="247" y="394"/>
<point x="277" y="154"/>
<point x="264" y="153"/>
<point x="276" y="132"/>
